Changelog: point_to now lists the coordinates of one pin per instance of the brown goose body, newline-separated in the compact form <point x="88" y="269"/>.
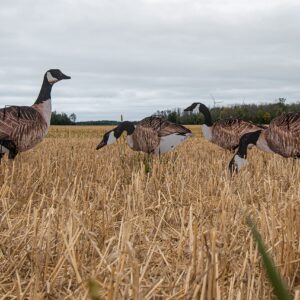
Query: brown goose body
<point x="224" y="133"/>
<point x="23" y="127"/>
<point x="283" y="135"/>
<point x="227" y="133"/>
<point x="150" y="135"/>
<point x="143" y="139"/>
<point x="149" y="132"/>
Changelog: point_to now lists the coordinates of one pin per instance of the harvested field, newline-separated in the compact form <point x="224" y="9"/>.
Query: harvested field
<point x="70" y="214"/>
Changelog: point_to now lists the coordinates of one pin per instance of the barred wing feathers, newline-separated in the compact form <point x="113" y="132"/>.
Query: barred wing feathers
<point x="23" y="125"/>
<point x="283" y="135"/>
<point x="145" y="139"/>
<point x="163" y="127"/>
<point x="152" y="133"/>
<point x="227" y="133"/>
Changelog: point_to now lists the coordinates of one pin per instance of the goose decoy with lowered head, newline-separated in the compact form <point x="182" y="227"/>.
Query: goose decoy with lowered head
<point x="23" y="127"/>
<point x="150" y="135"/>
<point x="225" y="133"/>
<point x="281" y="137"/>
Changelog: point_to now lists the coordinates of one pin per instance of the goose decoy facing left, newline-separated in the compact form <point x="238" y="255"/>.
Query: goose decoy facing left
<point x="225" y="133"/>
<point x="23" y="127"/>
<point x="150" y="135"/>
<point x="281" y="137"/>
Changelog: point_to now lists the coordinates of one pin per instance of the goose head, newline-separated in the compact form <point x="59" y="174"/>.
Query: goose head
<point x="239" y="160"/>
<point x="108" y="139"/>
<point x="55" y="75"/>
<point x="195" y="107"/>
<point x="111" y="136"/>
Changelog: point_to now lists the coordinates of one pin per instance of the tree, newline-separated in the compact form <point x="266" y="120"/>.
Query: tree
<point x="267" y="117"/>
<point x="73" y="117"/>
<point x="60" y="119"/>
<point x="256" y="113"/>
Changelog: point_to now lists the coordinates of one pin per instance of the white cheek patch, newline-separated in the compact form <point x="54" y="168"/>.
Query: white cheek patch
<point x="240" y="162"/>
<point x="196" y="109"/>
<point x="207" y="132"/>
<point x="3" y="149"/>
<point x="169" y="142"/>
<point x="111" y="138"/>
<point x="50" y="78"/>
<point x="129" y="141"/>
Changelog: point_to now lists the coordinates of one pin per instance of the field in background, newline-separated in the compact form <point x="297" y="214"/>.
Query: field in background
<point x="69" y="213"/>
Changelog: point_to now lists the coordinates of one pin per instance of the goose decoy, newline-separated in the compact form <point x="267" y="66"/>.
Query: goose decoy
<point x="150" y="135"/>
<point x="23" y="127"/>
<point x="281" y="137"/>
<point x="225" y="133"/>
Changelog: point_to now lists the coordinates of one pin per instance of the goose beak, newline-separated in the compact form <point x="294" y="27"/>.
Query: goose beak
<point x="63" y="76"/>
<point x="190" y="108"/>
<point x="99" y="146"/>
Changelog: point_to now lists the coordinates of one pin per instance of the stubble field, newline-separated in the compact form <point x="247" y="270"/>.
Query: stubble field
<point x="70" y="214"/>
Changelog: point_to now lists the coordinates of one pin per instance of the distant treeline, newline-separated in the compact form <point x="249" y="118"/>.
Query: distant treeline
<point x="62" y="119"/>
<point x="256" y="113"/>
<point x="103" y="122"/>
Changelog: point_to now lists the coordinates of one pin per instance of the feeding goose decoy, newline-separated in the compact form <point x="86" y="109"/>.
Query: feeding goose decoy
<point x="23" y="127"/>
<point x="281" y="137"/>
<point x="225" y="133"/>
<point x="150" y="135"/>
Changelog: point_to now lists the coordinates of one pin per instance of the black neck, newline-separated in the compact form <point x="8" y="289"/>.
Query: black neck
<point x="207" y="115"/>
<point x="124" y="126"/>
<point x="246" y="140"/>
<point x="45" y="92"/>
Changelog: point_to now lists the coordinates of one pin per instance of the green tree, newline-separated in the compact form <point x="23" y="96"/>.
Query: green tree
<point x="73" y="117"/>
<point x="60" y="119"/>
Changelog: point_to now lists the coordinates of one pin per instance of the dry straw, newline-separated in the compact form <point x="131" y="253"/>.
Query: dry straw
<point x="72" y="217"/>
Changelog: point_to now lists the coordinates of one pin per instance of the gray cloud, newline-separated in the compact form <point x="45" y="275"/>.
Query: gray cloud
<point x="135" y="57"/>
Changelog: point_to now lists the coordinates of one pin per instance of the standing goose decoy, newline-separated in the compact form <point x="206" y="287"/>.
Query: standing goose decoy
<point x="225" y="133"/>
<point x="151" y="135"/>
<point x="281" y="137"/>
<point x="23" y="127"/>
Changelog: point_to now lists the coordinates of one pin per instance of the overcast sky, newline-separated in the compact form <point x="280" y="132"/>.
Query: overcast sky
<point x="137" y="57"/>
